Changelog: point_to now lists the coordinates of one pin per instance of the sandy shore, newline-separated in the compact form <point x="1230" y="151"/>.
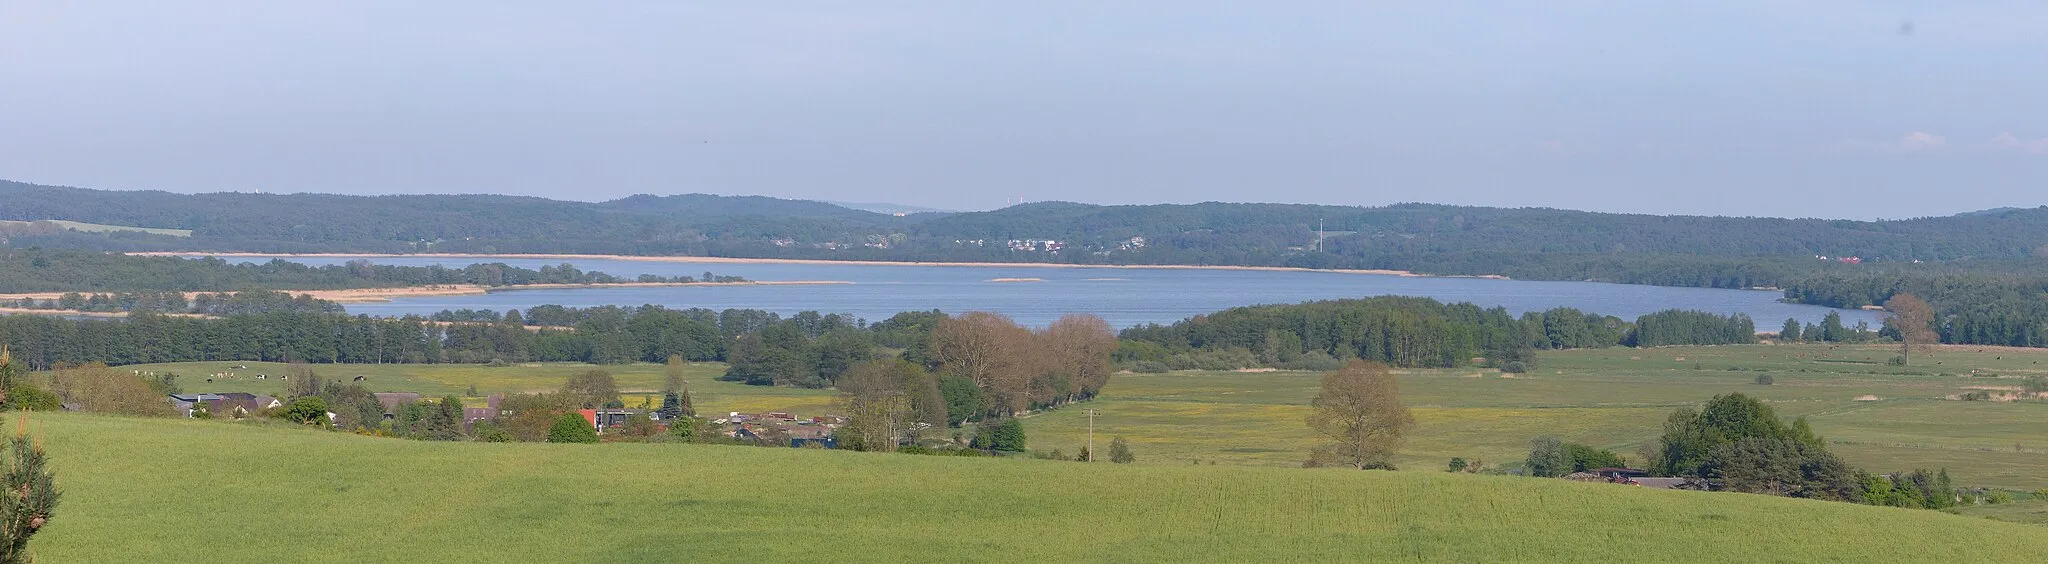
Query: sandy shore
<point x="725" y="260"/>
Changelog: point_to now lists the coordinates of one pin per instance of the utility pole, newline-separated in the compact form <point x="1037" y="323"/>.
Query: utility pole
<point x="1091" y="435"/>
<point x="1319" y="235"/>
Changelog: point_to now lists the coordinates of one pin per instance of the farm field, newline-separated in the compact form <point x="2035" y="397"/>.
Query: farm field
<point x="1611" y="398"/>
<point x="279" y="493"/>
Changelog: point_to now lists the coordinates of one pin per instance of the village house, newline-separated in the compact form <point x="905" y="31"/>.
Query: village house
<point x="393" y="401"/>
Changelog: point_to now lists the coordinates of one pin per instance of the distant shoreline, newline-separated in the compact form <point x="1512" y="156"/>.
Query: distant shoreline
<point x="381" y="295"/>
<point x="730" y="260"/>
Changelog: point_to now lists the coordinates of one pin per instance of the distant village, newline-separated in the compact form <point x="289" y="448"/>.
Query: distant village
<point x="774" y="427"/>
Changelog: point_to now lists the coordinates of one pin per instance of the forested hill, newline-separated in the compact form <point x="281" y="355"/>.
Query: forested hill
<point x="1522" y="243"/>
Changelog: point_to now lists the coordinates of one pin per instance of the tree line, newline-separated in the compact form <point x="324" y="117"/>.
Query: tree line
<point x="1968" y="308"/>
<point x="1409" y="332"/>
<point x="62" y="270"/>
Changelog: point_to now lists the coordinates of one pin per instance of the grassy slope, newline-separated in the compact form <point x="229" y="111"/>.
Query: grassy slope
<point x="1612" y="398"/>
<point x="170" y="490"/>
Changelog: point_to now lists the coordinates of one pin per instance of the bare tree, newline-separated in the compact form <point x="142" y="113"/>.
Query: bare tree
<point x="1914" y="320"/>
<point x="993" y="351"/>
<point x="1360" y="414"/>
<point x="1076" y="353"/>
<point x="877" y="403"/>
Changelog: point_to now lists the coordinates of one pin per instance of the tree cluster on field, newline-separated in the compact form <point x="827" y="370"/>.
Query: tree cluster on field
<point x="1738" y="443"/>
<point x="1405" y="332"/>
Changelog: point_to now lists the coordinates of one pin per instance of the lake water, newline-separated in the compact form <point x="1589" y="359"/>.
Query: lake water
<point x="1124" y="297"/>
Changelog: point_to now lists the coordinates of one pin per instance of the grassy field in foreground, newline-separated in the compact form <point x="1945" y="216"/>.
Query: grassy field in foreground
<point x="152" y="490"/>
<point x="1612" y="398"/>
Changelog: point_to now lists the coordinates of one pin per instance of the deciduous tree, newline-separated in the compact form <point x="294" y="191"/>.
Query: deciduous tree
<point x="1914" y="320"/>
<point x="1359" y="413"/>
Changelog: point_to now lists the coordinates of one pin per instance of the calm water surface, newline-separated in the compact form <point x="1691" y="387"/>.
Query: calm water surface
<point x="1124" y="297"/>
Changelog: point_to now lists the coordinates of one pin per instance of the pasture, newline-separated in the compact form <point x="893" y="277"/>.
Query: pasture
<point x="158" y="490"/>
<point x="1879" y="417"/>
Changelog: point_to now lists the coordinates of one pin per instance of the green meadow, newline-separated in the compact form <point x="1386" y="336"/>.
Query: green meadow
<point x="164" y="490"/>
<point x="1879" y="417"/>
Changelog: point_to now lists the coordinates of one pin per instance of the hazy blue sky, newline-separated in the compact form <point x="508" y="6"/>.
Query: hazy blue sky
<point x="1806" y="108"/>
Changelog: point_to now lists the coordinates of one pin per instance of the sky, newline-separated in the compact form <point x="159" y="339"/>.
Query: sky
<point x="1817" y="108"/>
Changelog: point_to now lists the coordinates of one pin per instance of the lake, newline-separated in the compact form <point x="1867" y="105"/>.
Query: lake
<point x="1124" y="297"/>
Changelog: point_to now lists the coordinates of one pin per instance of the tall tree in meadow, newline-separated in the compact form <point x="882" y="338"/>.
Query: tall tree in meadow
<point x="1914" y="320"/>
<point x="1789" y="334"/>
<point x="675" y="391"/>
<point x="1359" y="414"/>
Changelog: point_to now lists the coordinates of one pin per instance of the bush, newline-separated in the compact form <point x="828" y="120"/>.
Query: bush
<point x="1896" y="361"/>
<point x="1765" y="380"/>
<point x="1997" y="498"/>
<point x="1120" y="451"/>
<point x="490" y="432"/>
<point x="23" y="396"/>
<point x="1457" y="464"/>
<point x="309" y="410"/>
<point x="572" y="428"/>
<point x="1318" y="361"/>
<point x="1514" y="367"/>
<point x="1009" y="436"/>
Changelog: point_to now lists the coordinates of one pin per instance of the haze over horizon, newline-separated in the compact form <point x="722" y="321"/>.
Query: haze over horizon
<point x="1820" y="109"/>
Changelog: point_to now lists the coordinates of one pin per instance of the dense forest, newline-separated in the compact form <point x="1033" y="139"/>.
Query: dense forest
<point x="1520" y="243"/>
<point x="54" y="270"/>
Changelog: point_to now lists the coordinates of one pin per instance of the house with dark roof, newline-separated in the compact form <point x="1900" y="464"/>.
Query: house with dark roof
<point x="489" y="412"/>
<point x="243" y="402"/>
<point x="393" y="401"/>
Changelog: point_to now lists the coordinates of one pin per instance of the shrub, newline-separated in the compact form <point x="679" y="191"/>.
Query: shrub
<point x="1318" y="361"/>
<point x="1150" y="367"/>
<point x="1514" y="367"/>
<point x="23" y="396"/>
<point x="2041" y="494"/>
<point x="1008" y="436"/>
<point x="1120" y="451"/>
<point x="489" y="432"/>
<point x="1896" y="361"/>
<point x="1457" y="464"/>
<point x="1997" y="498"/>
<point x="1765" y="380"/>
<point x="309" y="410"/>
<point x="572" y="428"/>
